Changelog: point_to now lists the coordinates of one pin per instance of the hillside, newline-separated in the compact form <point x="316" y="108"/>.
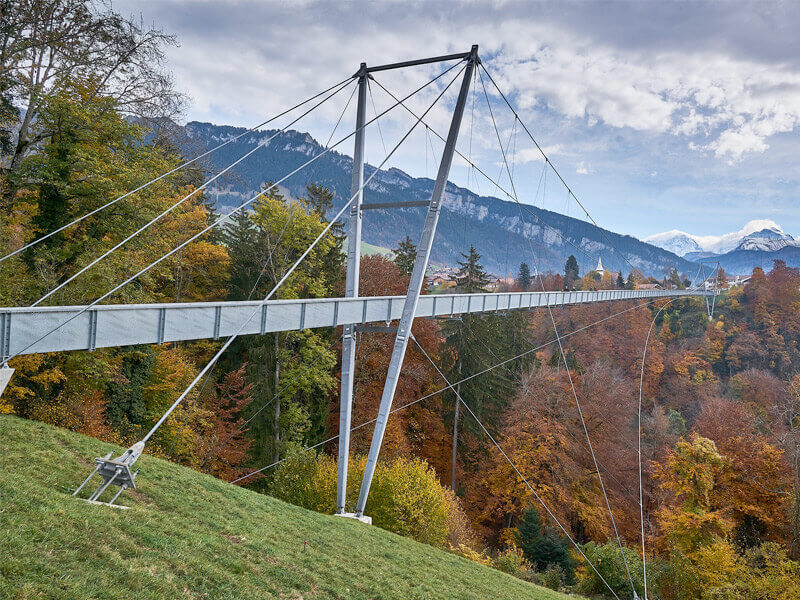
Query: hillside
<point x="190" y="535"/>
<point x="492" y="224"/>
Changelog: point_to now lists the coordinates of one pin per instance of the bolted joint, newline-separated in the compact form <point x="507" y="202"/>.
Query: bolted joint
<point x="473" y="55"/>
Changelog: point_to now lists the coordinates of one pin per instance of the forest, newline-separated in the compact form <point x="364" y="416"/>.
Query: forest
<point x="86" y="105"/>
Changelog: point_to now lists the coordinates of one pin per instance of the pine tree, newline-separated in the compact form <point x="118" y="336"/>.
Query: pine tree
<point x="319" y="198"/>
<point x="524" y="277"/>
<point x="405" y="255"/>
<point x="542" y="546"/>
<point x="571" y="272"/>
<point x="245" y="248"/>
<point x="471" y="277"/>
<point x="620" y="281"/>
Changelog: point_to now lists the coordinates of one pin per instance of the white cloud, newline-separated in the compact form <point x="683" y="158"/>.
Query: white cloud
<point x="237" y="69"/>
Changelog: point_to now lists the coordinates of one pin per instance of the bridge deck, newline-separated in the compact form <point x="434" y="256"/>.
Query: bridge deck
<point x="127" y="324"/>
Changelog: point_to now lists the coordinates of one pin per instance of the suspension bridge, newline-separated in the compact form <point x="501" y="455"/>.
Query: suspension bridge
<point x="38" y="328"/>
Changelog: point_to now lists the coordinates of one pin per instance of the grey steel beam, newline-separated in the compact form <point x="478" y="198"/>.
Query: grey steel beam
<point x="351" y="291"/>
<point x="415" y="285"/>
<point x="401" y="204"/>
<point x="419" y="61"/>
<point x="112" y="325"/>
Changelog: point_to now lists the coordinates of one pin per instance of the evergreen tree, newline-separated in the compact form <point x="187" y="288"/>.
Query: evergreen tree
<point x="471" y="277"/>
<point x="245" y="246"/>
<point x="543" y="546"/>
<point x="675" y="280"/>
<point x="126" y="405"/>
<point x="405" y="255"/>
<point x="524" y="277"/>
<point x="571" y="272"/>
<point x="477" y="340"/>
<point x="319" y="198"/>
<point x="620" y="281"/>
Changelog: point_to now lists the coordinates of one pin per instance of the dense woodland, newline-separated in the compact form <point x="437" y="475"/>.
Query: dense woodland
<point x="720" y="398"/>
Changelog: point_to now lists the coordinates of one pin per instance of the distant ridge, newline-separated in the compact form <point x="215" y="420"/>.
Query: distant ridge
<point x="492" y="225"/>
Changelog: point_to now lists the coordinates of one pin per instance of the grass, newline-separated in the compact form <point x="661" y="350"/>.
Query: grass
<point x="189" y="535"/>
<point x="370" y="249"/>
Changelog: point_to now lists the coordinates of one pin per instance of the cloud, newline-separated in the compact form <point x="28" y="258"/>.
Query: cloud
<point x="630" y="88"/>
<point x="723" y="103"/>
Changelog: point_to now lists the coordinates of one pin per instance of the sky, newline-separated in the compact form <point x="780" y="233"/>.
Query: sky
<point x="658" y="115"/>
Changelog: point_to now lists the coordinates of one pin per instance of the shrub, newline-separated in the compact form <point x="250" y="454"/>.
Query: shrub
<point x="512" y="561"/>
<point x="554" y="577"/>
<point x="608" y="561"/>
<point x="406" y="496"/>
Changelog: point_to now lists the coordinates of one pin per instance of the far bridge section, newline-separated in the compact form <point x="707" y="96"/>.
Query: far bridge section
<point x="104" y="326"/>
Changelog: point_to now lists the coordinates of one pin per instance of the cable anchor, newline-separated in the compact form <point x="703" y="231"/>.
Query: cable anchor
<point x="114" y="471"/>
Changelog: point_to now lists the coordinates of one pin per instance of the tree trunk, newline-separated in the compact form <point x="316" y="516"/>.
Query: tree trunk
<point x="455" y="431"/>
<point x="796" y="504"/>
<point x="277" y="422"/>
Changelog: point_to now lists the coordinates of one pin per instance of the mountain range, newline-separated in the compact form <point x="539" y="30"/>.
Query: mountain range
<point x="758" y="243"/>
<point x="503" y="232"/>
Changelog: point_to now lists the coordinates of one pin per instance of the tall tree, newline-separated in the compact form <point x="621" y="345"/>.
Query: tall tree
<point x="53" y="45"/>
<point x="471" y="277"/>
<point x="571" y="272"/>
<point x="405" y="254"/>
<point x="524" y="277"/>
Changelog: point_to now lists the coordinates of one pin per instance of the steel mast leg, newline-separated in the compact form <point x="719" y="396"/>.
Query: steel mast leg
<point x="351" y="291"/>
<point x="415" y="286"/>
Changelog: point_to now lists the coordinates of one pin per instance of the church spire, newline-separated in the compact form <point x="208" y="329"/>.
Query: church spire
<point x="600" y="268"/>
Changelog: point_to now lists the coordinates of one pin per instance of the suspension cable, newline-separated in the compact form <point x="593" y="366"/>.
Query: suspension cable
<point x="462" y="380"/>
<point x="552" y="166"/>
<point x="185" y="198"/>
<point x="228" y="215"/>
<point x="346" y="206"/>
<point x="563" y="354"/>
<point x="490" y="179"/>
<point x="344" y="83"/>
<point x="513" y="466"/>
<point x="639" y="437"/>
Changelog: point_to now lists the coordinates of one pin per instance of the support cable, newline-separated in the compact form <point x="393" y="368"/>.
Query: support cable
<point x="375" y="111"/>
<point x="512" y="374"/>
<point x="327" y="228"/>
<point x="227" y="216"/>
<point x="563" y="354"/>
<point x="344" y="83"/>
<point x="514" y="466"/>
<point x="184" y="199"/>
<point x="489" y="178"/>
<point x="552" y="166"/>
<point x="341" y="116"/>
<point x="268" y="403"/>
<point x="444" y="389"/>
<point x="639" y="438"/>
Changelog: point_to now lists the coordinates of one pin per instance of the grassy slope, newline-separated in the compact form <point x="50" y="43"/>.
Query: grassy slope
<point x="370" y="249"/>
<point x="189" y="535"/>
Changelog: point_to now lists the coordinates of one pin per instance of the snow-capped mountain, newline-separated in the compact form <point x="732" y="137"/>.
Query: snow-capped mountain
<point x="675" y="241"/>
<point x="759" y="234"/>
<point x="767" y="240"/>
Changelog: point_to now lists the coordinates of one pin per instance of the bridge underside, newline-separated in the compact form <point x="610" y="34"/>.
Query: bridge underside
<point x="105" y="326"/>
